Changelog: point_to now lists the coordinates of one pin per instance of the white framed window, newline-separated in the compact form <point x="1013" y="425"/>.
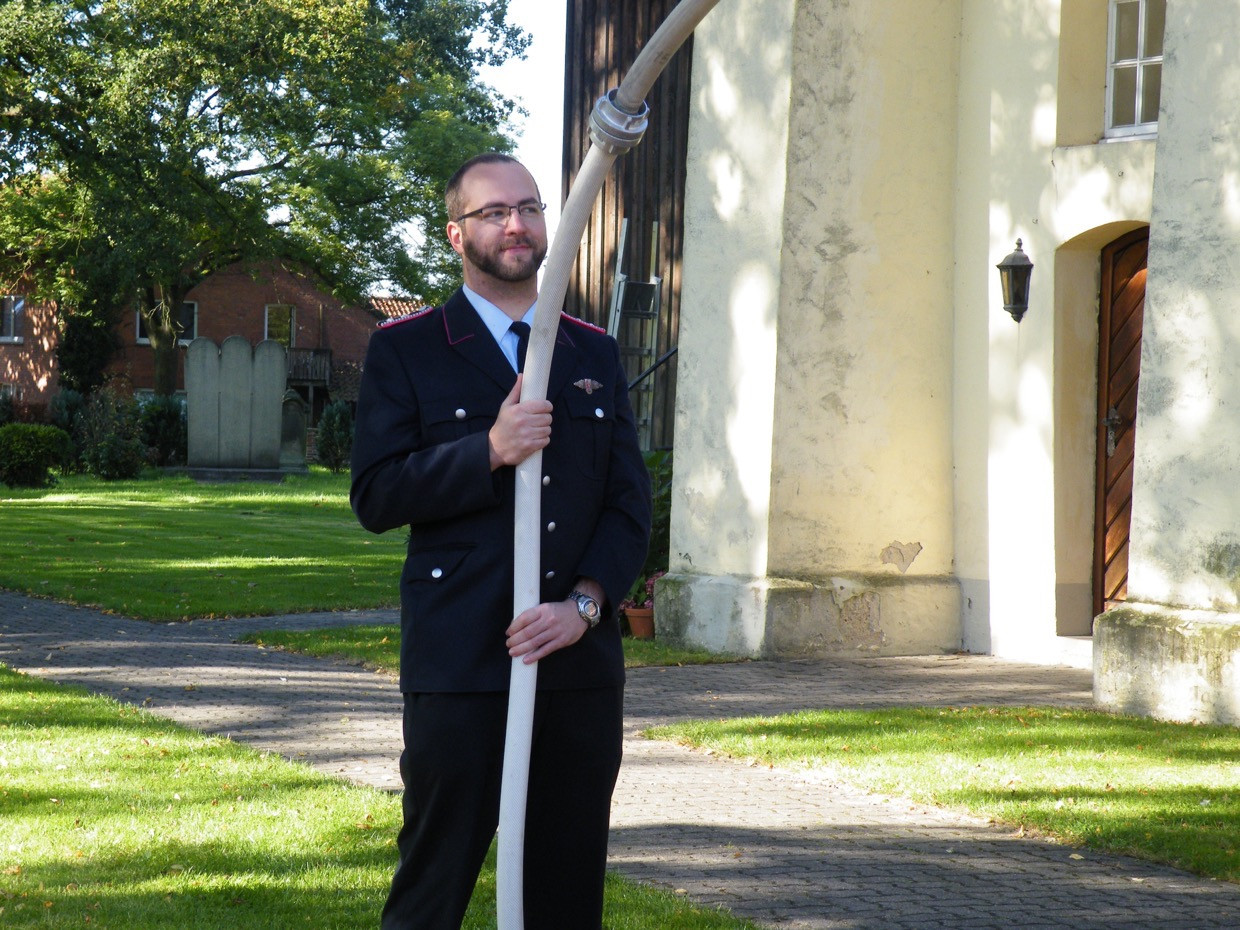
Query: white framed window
<point x="281" y="324"/>
<point x="186" y="324"/>
<point x="1134" y="66"/>
<point x="12" y="310"/>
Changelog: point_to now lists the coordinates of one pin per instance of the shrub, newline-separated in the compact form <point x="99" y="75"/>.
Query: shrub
<point x="29" y="451"/>
<point x="65" y="406"/>
<point x="163" y="430"/>
<point x="111" y="437"/>
<point x="66" y="413"/>
<point x="335" y="438"/>
<point x="659" y="464"/>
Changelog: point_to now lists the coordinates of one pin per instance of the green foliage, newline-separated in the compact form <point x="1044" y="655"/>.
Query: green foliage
<point x="87" y="344"/>
<point x="659" y="464"/>
<point x="29" y="452"/>
<point x="149" y="143"/>
<point x="335" y="436"/>
<point x="164" y="432"/>
<point x="66" y="404"/>
<point x="65" y="411"/>
<point x="111" y="436"/>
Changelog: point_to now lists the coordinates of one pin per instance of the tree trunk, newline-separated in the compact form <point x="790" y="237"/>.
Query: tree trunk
<point x="161" y="330"/>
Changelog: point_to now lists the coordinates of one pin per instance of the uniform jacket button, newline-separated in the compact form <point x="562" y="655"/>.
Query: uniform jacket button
<point x="437" y="573"/>
<point x="598" y="412"/>
<point x="546" y="480"/>
<point x="550" y="575"/>
<point x="460" y="413"/>
<point x="551" y="527"/>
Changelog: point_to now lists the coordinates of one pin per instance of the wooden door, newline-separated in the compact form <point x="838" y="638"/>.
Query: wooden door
<point x="1122" y="307"/>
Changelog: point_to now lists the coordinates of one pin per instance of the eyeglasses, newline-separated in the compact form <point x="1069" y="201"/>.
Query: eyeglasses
<point x="497" y="214"/>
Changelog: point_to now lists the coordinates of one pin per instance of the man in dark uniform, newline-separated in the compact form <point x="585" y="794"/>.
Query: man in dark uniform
<point x="440" y="428"/>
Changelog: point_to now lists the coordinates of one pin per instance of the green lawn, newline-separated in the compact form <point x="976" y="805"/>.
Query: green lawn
<point x="378" y="647"/>
<point x="1163" y="791"/>
<point x="114" y="818"/>
<point x="172" y="548"/>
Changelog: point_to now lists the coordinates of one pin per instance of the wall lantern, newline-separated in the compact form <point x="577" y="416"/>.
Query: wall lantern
<point x="1014" y="274"/>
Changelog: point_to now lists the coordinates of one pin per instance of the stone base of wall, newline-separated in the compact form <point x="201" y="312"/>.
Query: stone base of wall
<point x="848" y="614"/>
<point x="1172" y="664"/>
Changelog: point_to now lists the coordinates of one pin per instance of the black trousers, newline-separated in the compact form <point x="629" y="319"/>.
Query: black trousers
<point x="452" y="768"/>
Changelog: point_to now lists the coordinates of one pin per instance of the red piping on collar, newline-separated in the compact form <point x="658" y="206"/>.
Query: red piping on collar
<point x="581" y="322"/>
<point x="406" y="318"/>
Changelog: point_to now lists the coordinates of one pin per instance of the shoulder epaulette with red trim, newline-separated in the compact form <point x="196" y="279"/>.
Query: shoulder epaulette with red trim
<point x="581" y="322"/>
<point x="406" y="318"/>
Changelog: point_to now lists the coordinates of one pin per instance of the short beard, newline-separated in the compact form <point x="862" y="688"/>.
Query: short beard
<point x="491" y="264"/>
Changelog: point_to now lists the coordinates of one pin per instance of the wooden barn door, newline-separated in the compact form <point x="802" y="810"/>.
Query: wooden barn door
<point x="1122" y="308"/>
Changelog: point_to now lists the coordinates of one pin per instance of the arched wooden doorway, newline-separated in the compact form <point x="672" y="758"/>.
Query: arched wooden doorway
<point x="1122" y="308"/>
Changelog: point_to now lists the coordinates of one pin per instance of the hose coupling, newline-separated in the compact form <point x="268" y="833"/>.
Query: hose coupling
<point x="614" y="129"/>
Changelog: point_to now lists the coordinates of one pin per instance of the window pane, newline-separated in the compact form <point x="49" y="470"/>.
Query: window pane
<point x="1155" y="24"/>
<point x="187" y="321"/>
<point x="10" y="313"/>
<point x="1151" y="88"/>
<point x="1124" y="97"/>
<point x="1127" y="19"/>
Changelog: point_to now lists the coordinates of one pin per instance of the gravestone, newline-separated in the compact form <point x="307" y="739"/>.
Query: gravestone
<point x="270" y="377"/>
<point x="202" y="404"/>
<point x="293" y="432"/>
<point x="234" y="404"/>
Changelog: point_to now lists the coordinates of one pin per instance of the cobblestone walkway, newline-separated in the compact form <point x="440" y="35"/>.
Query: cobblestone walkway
<point x="788" y="850"/>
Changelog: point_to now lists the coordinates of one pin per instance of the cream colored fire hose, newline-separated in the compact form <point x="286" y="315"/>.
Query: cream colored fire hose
<point x="616" y="125"/>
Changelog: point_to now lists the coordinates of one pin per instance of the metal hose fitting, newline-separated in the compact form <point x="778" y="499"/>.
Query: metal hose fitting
<point x="614" y="129"/>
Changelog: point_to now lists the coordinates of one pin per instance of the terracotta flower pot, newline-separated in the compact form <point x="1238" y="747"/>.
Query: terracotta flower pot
<point x="641" y="621"/>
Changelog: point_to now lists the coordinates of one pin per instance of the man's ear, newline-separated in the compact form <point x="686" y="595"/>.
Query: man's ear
<point x="455" y="233"/>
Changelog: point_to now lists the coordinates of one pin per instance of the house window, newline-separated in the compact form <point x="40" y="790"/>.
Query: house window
<point x="1134" y="66"/>
<point x="186" y="325"/>
<point x="281" y="319"/>
<point x="11" y="307"/>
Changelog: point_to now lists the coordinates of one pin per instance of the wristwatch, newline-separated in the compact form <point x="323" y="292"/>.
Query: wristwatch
<point x="587" y="608"/>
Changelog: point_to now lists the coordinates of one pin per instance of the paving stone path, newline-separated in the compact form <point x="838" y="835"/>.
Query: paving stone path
<point x="785" y="849"/>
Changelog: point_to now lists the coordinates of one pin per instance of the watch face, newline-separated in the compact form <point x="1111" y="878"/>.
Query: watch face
<point x="588" y="608"/>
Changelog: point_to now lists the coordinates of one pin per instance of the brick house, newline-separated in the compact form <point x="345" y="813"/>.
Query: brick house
<point x="28" y="337"/>
<point x="326" y="338"/>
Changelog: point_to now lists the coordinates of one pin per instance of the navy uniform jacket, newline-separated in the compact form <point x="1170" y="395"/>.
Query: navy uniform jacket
<point x="431" y="389"/>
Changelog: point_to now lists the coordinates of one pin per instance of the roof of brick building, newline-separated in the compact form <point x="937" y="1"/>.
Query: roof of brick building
<point x="389" y="308"/>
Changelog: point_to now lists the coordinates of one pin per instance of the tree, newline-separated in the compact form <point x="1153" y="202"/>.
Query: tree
<point x="335" y="436"/>
<point x="178" y="136"/>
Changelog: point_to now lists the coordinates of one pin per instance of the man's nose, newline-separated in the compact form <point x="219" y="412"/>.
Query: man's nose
<point x="515" y="219"/>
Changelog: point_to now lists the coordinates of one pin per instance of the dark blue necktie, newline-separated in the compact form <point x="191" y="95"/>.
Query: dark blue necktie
<point x="523" y="341"/>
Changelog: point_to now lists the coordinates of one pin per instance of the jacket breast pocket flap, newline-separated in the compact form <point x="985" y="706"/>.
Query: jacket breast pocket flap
<point x="433" y="566"/>
<point x="597" y="408"/>
<point x="453" y="418"/>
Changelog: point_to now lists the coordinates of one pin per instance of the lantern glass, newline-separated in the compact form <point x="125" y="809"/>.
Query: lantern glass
<point x="1015" y="273"/>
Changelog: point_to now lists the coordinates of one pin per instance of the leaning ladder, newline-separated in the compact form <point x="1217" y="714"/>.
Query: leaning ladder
<point x="634" y="323"/>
